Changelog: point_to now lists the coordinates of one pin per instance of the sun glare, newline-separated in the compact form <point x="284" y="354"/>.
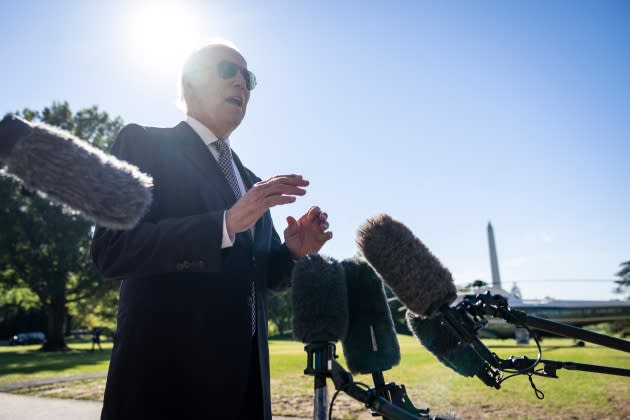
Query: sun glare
<point x="160" y="35"/>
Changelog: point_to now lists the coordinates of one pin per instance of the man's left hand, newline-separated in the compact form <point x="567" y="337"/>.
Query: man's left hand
<point x="307" y="234"/>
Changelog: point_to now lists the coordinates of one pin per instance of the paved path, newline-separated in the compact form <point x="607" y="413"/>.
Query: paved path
<point x="22" y="407"/>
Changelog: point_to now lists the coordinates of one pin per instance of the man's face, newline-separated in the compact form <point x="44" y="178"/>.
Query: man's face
<point x="220" y="102"/>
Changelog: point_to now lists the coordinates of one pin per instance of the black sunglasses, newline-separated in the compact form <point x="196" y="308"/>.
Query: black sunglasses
<point x="227" y="70"/>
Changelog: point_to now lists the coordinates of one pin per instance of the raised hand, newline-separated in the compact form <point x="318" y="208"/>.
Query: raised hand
<point x="307" y="234"/>
<point x="275" y="191"/>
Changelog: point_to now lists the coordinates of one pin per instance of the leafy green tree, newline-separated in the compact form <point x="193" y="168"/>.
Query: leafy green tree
<point x="45" y="247"/>
<point x="623" y="284"/>
<point x="19" y="311"/>
<point x="624" y="274"/>
<point x="279" y="312"/>
<point x="398" y="312"/>
<point x="98" y="310"/>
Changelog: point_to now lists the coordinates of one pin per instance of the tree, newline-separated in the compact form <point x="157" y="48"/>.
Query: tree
<point x="45" y="247"/>
<point x="279" y="312"/>
<point x="96" y="311"/>
<point x="623" y="284"/>
<point x="19" y="311"/>
<point x="398" y="312"/>
<point x="624" y="274"/>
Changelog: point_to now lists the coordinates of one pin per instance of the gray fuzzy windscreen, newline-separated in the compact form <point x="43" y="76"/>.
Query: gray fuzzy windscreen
<point x="413" y="273"/>
<point x="320" y="300"/>
<point x="103" y="189"/>
<point x="371" y="344"/>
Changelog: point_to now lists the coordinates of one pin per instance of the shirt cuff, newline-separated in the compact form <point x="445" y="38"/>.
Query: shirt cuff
<point x="226" y="241"/>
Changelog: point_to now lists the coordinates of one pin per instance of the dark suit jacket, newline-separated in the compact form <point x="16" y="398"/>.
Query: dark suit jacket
<point x="183" y="342"/>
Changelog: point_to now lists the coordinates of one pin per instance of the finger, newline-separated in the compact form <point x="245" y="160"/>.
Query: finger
<point x="314" y="210"/>
<point x="323" y="216"/>
<point x="290" y="179"/>
<point x="278" y="200"/>
<point x="325" y="236"/>
<point x="284" y="179"/>
<point x="292" y="226"/>
<point x="281" y="189"/>
<point x="313" y="213"/>
<point x="324" y="226"/>
<point x="288" y="176"/>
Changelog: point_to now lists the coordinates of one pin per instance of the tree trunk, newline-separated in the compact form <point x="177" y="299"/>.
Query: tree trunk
<point x="68" y="326"/>
<point x="279" y="326"/>
<point x="283" y="325"/>
<point x="56" y="311"/>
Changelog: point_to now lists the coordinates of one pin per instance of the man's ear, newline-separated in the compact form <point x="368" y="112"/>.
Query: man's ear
<point x="188" y="92"/>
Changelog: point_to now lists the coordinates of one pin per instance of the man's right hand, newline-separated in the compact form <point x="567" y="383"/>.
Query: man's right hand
<point x="281" y="189"/>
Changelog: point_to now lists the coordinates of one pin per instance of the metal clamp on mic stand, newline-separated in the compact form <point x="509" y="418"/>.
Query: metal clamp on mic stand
<point x="319" y="364"/>
<point x="385" y="399"/>
<point x="469" y="315"/>
<point x="396" y="394"/>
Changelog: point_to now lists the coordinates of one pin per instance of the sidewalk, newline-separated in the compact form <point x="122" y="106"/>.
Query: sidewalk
<point x="21" y="407"/>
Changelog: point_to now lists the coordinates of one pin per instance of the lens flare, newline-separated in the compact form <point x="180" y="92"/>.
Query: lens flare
<point x="159" y="35"/>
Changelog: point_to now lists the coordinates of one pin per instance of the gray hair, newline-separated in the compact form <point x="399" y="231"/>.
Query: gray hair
<point x="188" y="72"/>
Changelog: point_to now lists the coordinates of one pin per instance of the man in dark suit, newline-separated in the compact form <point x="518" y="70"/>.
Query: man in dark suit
<point x="191" y="340"/>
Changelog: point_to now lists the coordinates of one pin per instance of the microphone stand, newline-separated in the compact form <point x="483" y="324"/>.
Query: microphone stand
<point x="396" y="394"/>
<point x="387" y="400"/>
<point x="318" y="365"/>
<point x="469" y="315"/>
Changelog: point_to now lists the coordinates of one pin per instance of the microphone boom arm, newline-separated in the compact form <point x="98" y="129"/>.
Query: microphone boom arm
<point x="497" y="306"/>
<point x="551" y="366"/>
<point x="472" y="309"/>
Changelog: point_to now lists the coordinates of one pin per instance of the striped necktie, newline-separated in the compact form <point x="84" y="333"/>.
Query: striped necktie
<point x="225" y="163"/>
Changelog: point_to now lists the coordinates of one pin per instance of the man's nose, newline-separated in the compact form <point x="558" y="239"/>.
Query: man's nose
<point x="239" y="80"/>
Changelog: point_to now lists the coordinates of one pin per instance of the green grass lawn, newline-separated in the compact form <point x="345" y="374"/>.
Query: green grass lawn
<point x="26" y="363"/>
<point x="431" y="384"/>
<point x="575" y="395"/>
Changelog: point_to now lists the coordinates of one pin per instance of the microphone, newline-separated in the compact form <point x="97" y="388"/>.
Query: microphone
<point x="415" y="275"/>
<point x="333" y="301"/>
<point x="319" y="299"/>
<point x="433" y="334"/>
<point x="69" y="171"/>
<point x="370" y="345"/>
<point x="320" y="318"/>
<point x="426" y="288"/>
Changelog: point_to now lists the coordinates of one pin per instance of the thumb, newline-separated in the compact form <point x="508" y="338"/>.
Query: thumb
<point x="292" y="224"/>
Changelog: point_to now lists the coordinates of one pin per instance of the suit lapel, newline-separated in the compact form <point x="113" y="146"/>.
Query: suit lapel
<point x="197" y="153"/>
<point x="265" y="220"/>
<point x="244" y="173"/>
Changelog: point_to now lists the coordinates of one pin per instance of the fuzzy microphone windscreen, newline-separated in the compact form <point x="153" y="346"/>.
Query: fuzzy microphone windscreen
<point x="371" y="344"/>
<point x="68" y="171"/>
<point x="413" y="273"/>
<point x="319" y="299"/>
<point x="444" y="345"/>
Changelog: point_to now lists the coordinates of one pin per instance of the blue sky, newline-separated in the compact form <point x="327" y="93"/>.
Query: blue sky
<point x="445" y="115"/>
